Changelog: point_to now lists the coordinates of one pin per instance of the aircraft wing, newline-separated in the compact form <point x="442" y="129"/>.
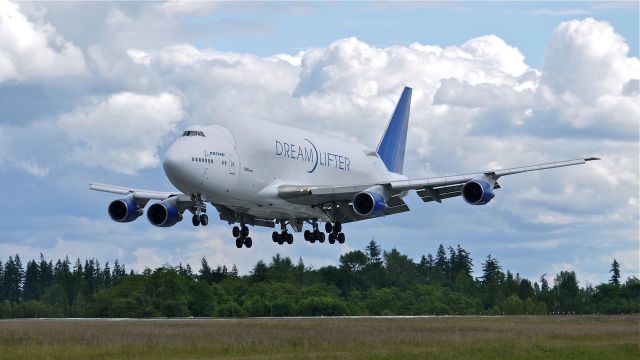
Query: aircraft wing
<point x="331" y="198"/>
<point x="138" y="193"/>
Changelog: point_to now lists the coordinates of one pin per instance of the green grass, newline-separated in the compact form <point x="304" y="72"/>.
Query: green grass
<point x="526" y="337"/>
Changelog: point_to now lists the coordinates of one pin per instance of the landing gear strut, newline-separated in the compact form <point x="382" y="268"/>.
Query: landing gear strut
<point x="315" y="234"/>
<point x="242" y="235"/>
<point x="335" y="233"/>
<point x="283" y="236"/>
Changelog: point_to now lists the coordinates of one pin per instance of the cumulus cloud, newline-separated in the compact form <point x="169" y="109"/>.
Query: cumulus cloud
<point x="31" y="50"/>
<point x="123" y="131"/>
<point x="476" y="105"/>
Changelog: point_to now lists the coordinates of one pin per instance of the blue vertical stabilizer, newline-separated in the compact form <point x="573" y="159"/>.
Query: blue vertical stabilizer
<point x="392" y="146"/>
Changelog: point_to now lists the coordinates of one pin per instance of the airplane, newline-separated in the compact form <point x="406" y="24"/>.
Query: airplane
<point x="260" y="173"/>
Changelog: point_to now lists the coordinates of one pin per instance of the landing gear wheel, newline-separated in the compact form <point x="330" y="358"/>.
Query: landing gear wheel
<point x="235" y="231"/>
<point x="248" y="242"/>
<point x="289" y="239"/>
<point x="321" y="237"/>
<point x="307" y="235"/>
<point x="275" y="236"/>
<point x="341" y="238"/>
<point x="204" y="220"/>
<point x="332" y="238"/>
<point x="328" y="228"/>
<point x="282" y="238"/>
<point x="245" y="231"/>
<point x="195" y="220"/>
<point x="337" y="227"/>
<point x="238" y="243"/>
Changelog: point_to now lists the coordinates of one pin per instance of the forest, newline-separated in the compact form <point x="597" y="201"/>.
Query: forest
<point x="365" y="282"/>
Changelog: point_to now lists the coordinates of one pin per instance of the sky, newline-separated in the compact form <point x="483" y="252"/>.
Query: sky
<point x="97" y="91"/>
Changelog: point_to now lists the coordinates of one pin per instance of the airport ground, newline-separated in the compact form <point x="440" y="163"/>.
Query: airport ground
<point x="464" y="337"/>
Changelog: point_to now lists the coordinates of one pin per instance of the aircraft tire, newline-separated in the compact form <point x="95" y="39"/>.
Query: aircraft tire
<point x="274" y="236"/>
<point x="245" y="231"/>
<point x="204" y="219"/>
<point x="307" y="235"/>
<point x="238" y="243"/>
<point x="248" y="242"/>
<point x="328" y="228"/>
<point x="235" y="231"/>
<point x="289" y="239"/>
<point x="321" y="237"/>
<point x="332" y="238"/>
<point x="337" y="227"/>
<point x="341" y="238"/>
<point x="195" y="220"/>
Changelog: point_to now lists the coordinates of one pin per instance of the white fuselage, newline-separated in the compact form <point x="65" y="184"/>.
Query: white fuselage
<point x="241" y="164"/>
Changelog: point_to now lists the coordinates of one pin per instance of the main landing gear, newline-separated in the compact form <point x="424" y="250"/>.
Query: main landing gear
<point x="283" y="236"/>
<point x="242" y="236"/>
<point x="334" y="232"/>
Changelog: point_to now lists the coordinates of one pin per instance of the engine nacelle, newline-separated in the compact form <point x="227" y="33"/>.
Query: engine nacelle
<point x="124" y="210"/>
<point x="477" y="192"/>
<point x="163" y="214"/>
<point x="369" y="203"/>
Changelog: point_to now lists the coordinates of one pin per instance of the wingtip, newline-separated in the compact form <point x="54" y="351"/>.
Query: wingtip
<point x="592" y="158"/>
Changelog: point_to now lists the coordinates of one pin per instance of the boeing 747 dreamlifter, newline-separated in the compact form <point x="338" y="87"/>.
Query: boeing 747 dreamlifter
<point x="266" y="174"/>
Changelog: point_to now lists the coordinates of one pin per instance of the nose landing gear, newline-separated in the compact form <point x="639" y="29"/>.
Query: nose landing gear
<point x="200" y="212"/>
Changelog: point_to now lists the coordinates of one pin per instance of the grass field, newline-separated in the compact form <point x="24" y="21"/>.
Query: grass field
<point x="579" y="337"/>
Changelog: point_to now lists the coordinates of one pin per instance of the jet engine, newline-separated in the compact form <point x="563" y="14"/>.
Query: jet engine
<point x="369" y="203"/>
<point x="124" y="210"/>
<point x="477" y="192"/>
<point x="164" y="214"/>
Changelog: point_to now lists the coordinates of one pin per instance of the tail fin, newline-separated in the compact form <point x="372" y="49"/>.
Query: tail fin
<point x="393" y="143"/>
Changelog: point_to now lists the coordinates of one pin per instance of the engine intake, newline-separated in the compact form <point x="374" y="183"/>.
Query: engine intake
<point x="163" y="214"/>
<point x="369" y="203"/>
<point x="477" y="192"/>
<point x="124" y="210"/>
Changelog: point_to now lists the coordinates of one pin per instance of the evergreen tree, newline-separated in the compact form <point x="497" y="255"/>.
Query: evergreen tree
<point x="12" y="279"/>
<point x="490" y="270"/>
<point x="374" y="254"/>
<point x="106" y="276"/>
<point x="119" y="271"/>
<point x="31" y="290"/>
<point x="615" y="276"/>
<point x="2" y="289"/>
<point x="465" y="264"/>
<point x="259" y="272"/>
<point x="299" y="272"/>
<point x="441" y="260"/>
<point x="544" y="284"/>
<point x="46" y="274"/>
<point x="205" y="273"/>
<point x="234" y="271"/>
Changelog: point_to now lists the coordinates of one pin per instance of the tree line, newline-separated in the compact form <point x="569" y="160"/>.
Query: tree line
<point x="365" y="282"/>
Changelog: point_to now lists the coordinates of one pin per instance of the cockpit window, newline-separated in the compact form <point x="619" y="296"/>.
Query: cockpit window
<point x="193" y="133"/>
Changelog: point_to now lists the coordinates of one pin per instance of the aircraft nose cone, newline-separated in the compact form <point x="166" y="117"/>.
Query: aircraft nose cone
<point x="172" y="162"/>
